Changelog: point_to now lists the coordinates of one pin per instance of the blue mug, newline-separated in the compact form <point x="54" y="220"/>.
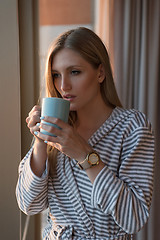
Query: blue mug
<point x="54" y="107"/>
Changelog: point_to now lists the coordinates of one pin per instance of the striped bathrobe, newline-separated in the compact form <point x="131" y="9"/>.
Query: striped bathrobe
<point x="117" y="204"/>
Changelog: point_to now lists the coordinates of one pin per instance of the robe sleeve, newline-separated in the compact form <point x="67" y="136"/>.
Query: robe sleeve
<point x="127" y="195"/>
<point x="31" y="190"/>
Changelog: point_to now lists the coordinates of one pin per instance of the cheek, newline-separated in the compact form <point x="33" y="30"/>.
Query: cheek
<point x="57" y="85"/>
<point x="91" y="84"/>
<point x="87" y="82"/>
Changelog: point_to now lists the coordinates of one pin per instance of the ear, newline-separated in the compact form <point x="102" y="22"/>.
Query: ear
<point x="101" y="73"/>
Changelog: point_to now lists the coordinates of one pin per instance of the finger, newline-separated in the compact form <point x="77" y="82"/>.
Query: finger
<point x="31" y="117"/>
<point x="56" y="121"/>
<point x="46" y="138"/>
<point x="35" y="113"/>
<point x="33" y="120"/>
<point x="36" y="108"/>
<point x="51" y="129"/>
<point x="27" y="119"/>
<point x="34" y="129"/>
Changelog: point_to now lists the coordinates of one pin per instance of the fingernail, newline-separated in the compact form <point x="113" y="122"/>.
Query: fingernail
<point x="38" y="124"/>
<point x="35" y="132"/>
<point x="45" y="141"/>
<point x="41" y="118"/>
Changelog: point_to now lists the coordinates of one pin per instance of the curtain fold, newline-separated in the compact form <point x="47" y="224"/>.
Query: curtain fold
<point x="131" y="33"/>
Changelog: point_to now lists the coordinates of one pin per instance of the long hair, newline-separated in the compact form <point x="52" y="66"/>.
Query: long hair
<point x="91" y="48"/>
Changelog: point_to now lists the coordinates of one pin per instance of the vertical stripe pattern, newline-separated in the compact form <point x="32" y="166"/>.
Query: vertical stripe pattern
<point x="117" y="205"/>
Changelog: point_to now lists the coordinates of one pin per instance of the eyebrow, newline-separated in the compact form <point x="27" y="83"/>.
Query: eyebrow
<point x="68" y="68"/>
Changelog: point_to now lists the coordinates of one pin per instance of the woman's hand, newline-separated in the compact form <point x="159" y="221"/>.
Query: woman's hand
<point x="39" y="154"/>
<point x="66" y="139"/>
<point x="32" y="120"/>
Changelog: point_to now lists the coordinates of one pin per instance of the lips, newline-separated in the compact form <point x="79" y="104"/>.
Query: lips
<point x="69" y="97"/>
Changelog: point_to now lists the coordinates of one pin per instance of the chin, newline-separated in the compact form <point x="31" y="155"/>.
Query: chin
<point x="73" y="107"/>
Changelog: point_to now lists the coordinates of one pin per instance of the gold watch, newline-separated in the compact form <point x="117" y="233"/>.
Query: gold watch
<point x="91" y="160"/>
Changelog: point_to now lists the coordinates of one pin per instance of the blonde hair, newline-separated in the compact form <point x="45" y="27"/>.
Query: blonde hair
<point x="91" y="48"/>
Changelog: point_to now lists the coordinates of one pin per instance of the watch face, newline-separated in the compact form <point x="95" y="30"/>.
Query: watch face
<point x="93" y="158"/>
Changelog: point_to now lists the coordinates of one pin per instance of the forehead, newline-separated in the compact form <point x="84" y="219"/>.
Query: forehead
<point x="66" y="57"/>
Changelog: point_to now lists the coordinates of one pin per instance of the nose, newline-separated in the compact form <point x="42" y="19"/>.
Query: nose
<point x="65" y="84"/>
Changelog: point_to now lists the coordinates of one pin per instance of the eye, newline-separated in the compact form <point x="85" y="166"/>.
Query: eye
<point x="75" y="72"/>
<point x="55" y="75"/>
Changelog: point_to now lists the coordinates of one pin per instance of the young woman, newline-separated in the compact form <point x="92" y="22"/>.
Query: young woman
<point x="96" y="175"/>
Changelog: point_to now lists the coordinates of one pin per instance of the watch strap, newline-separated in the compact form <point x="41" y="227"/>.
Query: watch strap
<point x="86" y="164"/>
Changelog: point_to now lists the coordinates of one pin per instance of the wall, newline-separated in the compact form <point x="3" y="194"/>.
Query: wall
<point x="10" y="140"/>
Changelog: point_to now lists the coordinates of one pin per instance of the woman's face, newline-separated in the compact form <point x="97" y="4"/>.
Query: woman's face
<point x="76" y="80"/>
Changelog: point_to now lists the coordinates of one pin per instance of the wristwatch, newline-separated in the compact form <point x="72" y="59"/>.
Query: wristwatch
<point x="91" y="160"/>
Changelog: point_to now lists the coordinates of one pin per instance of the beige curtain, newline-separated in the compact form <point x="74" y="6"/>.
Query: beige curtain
<point x="131" y="31"/>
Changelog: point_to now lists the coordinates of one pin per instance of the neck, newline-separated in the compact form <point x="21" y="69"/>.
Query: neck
<point x="90" y="119"/>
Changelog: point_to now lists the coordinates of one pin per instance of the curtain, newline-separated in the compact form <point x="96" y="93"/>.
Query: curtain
<point x="28" y="20"/>
<point x="130" y="30"/>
